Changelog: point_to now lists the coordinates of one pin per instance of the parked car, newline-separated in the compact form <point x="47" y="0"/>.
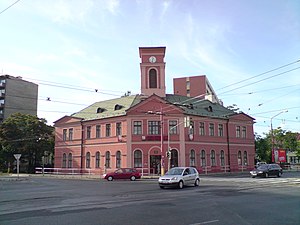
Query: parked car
<point x="266" y="170"/>
<point x="179" y="177"/>
<point x="258" y="164"/>
<point x="123" y="173"/>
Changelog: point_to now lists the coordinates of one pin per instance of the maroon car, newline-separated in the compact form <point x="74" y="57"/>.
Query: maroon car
<point x="123" y="173"/>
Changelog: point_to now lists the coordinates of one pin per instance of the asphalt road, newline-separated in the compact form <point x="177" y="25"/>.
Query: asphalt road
<point x="218" y="200"/>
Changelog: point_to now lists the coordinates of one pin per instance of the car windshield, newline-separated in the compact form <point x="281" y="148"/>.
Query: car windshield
<point x="263" y="167"/>
<point x="175" y="171"/>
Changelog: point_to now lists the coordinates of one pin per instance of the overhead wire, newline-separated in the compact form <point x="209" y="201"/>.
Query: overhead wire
<point x="9" y="6"/>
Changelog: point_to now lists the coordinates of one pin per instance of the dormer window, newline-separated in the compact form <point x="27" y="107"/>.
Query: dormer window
<point x="118" y="107"/>
<point x="100" y="110"/>
<point x="209" y="109"/>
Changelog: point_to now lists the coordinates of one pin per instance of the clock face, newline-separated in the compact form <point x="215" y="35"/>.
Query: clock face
<point x="152" y="59"/>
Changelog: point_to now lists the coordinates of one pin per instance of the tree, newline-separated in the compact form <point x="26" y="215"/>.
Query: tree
<point x="278" y="139"/>
<point x="263" y="149"/>
<point x="28" y="135"/>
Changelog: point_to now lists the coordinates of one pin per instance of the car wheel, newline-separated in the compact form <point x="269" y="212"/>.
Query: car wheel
<point x="279" y="174"/>
<point x="110" y="178"/>
<point x="266" y="175"/>
<point x="180" y="184"/>
<point x="197" y="181"/>
<point x="162" y="187"/>
<point x="132" y="178"/>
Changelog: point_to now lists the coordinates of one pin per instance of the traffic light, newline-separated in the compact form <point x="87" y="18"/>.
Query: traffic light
<point x="168" y="154"/>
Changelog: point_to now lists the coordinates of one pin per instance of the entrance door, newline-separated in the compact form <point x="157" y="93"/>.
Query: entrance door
<point x="155" y="164"/>
<point x="174" y="158"/>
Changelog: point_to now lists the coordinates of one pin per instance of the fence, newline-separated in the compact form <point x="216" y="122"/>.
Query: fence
<point x="64" y="171"/>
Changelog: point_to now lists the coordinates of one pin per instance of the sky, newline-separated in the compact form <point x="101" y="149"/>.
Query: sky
<point x="249" y="51"/>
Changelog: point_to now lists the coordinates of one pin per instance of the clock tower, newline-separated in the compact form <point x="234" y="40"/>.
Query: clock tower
<point x="153" y="71"/>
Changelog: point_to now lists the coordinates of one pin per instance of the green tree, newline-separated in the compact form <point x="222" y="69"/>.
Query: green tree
<point x="263" y="149"/>
<point x="28" y="135"/>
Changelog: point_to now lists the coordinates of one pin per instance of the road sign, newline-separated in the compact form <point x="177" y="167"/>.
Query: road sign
<point x="17" y="156"/>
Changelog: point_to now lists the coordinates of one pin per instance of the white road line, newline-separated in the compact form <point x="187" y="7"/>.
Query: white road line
<point x="206" y="222"/>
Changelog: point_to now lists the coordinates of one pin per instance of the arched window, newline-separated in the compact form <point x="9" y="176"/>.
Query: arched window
<point x="245" y="158"/>
<point x="192" y="158"/>
<point x="152" y="78"/>
<point x="138" y="158"/>
<point x="213" y="158"/>
<point x="239" y="158"/>
<point x="107" y="159"/>
<point x="70" y="160"/>
<point x="222" y="158"/>
<point x="203" y="159"/>
<point x="88" y="160"/>
<point x="97" y="156"/>
<point x="118" y="159"/>
<point x="64" y="160"/>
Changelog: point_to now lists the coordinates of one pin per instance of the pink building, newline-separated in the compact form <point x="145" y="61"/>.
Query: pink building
<point x="138" y="130"/>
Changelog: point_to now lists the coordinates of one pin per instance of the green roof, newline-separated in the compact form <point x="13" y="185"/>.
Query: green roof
<point x="108" y="108"/>
<point x="119" y="106"/>
<point x="199" y="107"/>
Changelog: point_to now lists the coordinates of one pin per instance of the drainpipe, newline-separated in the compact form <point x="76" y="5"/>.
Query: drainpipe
<point x="81" y="147"/>
<point x="228" y="145"/>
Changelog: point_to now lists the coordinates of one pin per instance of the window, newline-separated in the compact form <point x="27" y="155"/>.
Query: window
<point x="88" y="132"/>
<point x="245" y="158"/>
<point x="191" y="127"/>
<point x="213" y="158"/>
<point x="220" y="130"/>
<point x="201" y="129"/>
<point x="211" y="129"/>
<point x="238" y="131"/>
<point x="203" y="159"/>
<point x="98" y="131"/>
<point x="64" y="161"/>
<point x="153" y="127"/>
<point x="107" y="130"/>
<point x="137" y="127"/>
<point x="239" y="158"/>
<point x="173" y="126"/>
<point x="192" y="158"/>
<point x="243" y="132"/>
<point x="118" y="159"/>
<point x="188" y="85"/>
<point x="118" y="129"/>
<point x="152" y="78"/>
<point x="88" y="160"/>
<point x="222" y="158"/>
<point x="70" y="134"/>
<point x="70" y="160"/>
<point x="137" y="159"/>
<point x="64" y="134"/>
<point x="97" y="161"/>
<point x="107" y="159"/>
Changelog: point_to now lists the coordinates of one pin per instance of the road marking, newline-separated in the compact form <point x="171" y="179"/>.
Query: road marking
<point x="206" y="222"/>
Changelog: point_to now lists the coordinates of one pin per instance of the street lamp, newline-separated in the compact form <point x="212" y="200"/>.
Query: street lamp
<point x="272" y="134"/>
<point x="161" y="118"/>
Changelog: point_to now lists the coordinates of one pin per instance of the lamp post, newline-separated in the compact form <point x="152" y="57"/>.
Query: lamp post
<point x="161" y="118"/>
<point x="272" y="133"/>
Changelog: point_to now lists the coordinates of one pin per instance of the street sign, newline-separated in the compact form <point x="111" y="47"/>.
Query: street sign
<point x="17" y="156"/>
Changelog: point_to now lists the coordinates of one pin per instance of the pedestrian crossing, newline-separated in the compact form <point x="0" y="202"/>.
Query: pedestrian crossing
<point x="276" y="181"/>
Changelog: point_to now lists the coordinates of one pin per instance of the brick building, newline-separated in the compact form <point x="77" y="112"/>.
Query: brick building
<point x="154" y="130"/>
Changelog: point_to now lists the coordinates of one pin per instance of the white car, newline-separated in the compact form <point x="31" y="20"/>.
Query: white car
<point x="180" y="177"/>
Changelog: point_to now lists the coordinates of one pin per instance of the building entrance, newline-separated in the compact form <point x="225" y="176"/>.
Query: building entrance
<point x="155" y="164"/>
